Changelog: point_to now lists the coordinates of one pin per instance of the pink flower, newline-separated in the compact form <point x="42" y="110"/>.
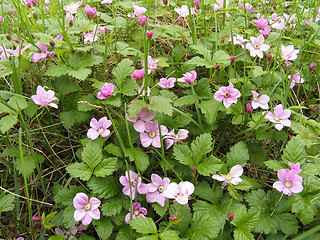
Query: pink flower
<point x="151" y="135"/>
<point x="165" y="2"/>
<point x="257" y="46"/>
<point x="228" y="95"/>
<point x="59" y="37"/>
<point x="249" y="108"/>
<point x="91" y="36"/>
<point x="196" y="3"/>
<point x="248" y="7"/>
<point x="173" y="139"/>
<point x="138" y="212"/>
<point x="135" y="183"/>
<point x="167" y="83"/>
<point x="279" y="24"/>
<point x="180" y="192"/>
<point x="44" y="53"/>
<point x="36" y="218"/>
<point x="138" y="10"/>
<point x="266" y="31"/>
<point x="189" y="77"/>
<point x="72" y="8"/>
<point x="86" y="210"/>
<point x="232" y="177"/>
<point x="142" y="20"/>
<point x="90" y="11"/>
<point x="151" y="64"/>
<point x="233" y="58"/>
<point x="17" y="52"/>
<point x="183" y="11"/>
<point x="156" y="189"/>
<point x="295" y="79"/>
<point x="99" y="128"/>
<point x="289" y="53"/>
<point x="138" y="74"/>
<point x="220" y="4"/>
<point x="261" y="101"/>
<point x="106" y="1"/>
<point x="313" y="66"/>
<point x="238" y="40"/>
<point x="71" y="234"/>
<point x="295" y="167"/>
<point x="149" y="34"/>
<point x="44" y="98"/>
<point x="290" y="182"/>
<point x="231" y="215"/>
<point x="280" y="117"/>
<point x="261" y="22"/>
<point x="139" y="121"/>
<point x="106" y="91"/>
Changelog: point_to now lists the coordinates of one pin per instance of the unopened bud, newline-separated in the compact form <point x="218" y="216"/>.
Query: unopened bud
<point x="174" y="217"/>
<point x="149" y="34"/>
<point x="8" y="36"/>
<point x="11" y="11"/>
<point x="217" y="66"/>
<point x="16" y="40"/>
<point x="249" y="108"/>
<point x="313" y="66"/>
<point x="231" y="215"/>
<point x="233" y="58"/>
<point x="165" y="2"/>
<point x="52" y="43"/>
<point x="269" y="58"/>
<point x="193" y="169"/>
<point x="274" y="7"/>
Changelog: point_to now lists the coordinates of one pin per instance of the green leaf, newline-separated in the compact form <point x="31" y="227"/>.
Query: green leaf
<point x="121" y="71"/>
<point x="184" y="212"/>
<point x="69" y="118"/>
<point x="198" y="61"/>
<point x="204" y="191"/>
<point x="65" y="196"/>
<point x="124" y="233"/>
<point x="63" y="85"/>
<point x="114" y="150"/>
<point x="161" y="211"/>
<point x="26" y="165"/>
<point x="129" y="87"/>
<point x="183" y="154"/>
<point x="80" y="73"/>
<point x="7" y="122"/>
<point x="210" y="109"/>
<point x="149" y="237"/>
<point x="160" y="104"/>
<point x="86" y="237"/>
<point x="111" y="207"/>
<point x="178" y="52"/>
<point x="68" y="220"/>
<point x="242" y="234"/>
<point x="206" y="53"/>
<point x="18" y="103"/>
<point x="90" y="60"/>
<point x="92" y="154"/>
<point x="6" y="203"/>
<point x="184" y="101"/>
<point x="200" y="147"/>
<point x="139" y="156"/>
<point x="275" y="165"/>
<point x="5" y="68"/>
<point x="105" y="187"/>
<point x="294" y="152"/>
<point x="57" y="237"/>
<point x="80" y="170"/>
<point x="135" y="106"/>
<point x="144" y="225"/>
<point x="287" y="223"/>
<point x="303" y="205"/>
<point x="169" y="235"/>
<point x="57" y="70"/>
<point x="214" y="211"/>
<point x="106" y="167"/>
<point x="46" y="219"/>
<point x="209" y="166"/>
<point x="238" y="154"/>
<point x="202" y="228"/>
<point x="222" y="58"/>
<point x="104" y="228"/>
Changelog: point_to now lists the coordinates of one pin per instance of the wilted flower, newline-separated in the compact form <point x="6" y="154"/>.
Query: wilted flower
<point x="290" y="182"/>
<point x="139" y="122"/>
<point x="173" y="139"/>
<point x="295" y="167"/>
<point x="135" y="183"/>
<point x="99" y="128"/>
<point x="295" y="79"/>
<point x="152" y="64"/>
<point x="280" y="117"/>
<point x="156" y="189"/>
<point x="189" y="77"/>
<point x="260" y="101"/>
<point x="280" y="24"/>
<point x="44" y="98"/>
<point x="167" y="83"/>
<point x="86" y="209"/>
<point x="138" y="212"/>
<point x="44" y="53"/>
<point x="180" y="192"/>
<point x="266" y="31"/>
<point x="106" y="91"/>
<point x="228" y="95"/>
<point x="232" y="177"/>
<point x="257" y="46"/>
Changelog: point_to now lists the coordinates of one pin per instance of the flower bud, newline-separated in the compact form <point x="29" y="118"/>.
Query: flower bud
<point x="196" y="3"/>
<point x="274" y="7"/>
<point x="52" y="43"/>
<point x="233" y="58"/>
<point x="0" y="19"/>
<point x="8" y="36"/>
<point x="231" y="215"/>
<point x="180" y="20"/>
<point x="193" y="169"/>
<point x="313" y="66"/>
<point x="16" y="40"/>
<point x="217" y="66"/>
<point x="11" y="11"/>
<point x="174" y="217"/>
<point x="269" y="58"/>
<point x="149" y="34"/>
<point x="90" y="12"/>
<point x="142" y="20"/>
<point x="165" y="2"/>
<point x="249" y="108"/>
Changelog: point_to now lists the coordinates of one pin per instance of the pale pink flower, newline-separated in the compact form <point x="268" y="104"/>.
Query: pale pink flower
<point x="257" y="46"/>
<point x="139" y="122"/>
<point x="59" y="37"/>
<point x="280" y="24"/>
<point x="137" y="212"/>
<point x="86" y="209"/>
<point x="280" y="117"/>
<point x="232" y="177"/>
<point x="261" y="22"/>
<point x="289" y="53"/>
<point x="138" y="74"/>
<point x="228" y="95"/>
<point x="180" y="192"/>
<point x="17" y="52"/>
<point x="99" y="128"/>
<point x="151" y="64"/>
<point x="238" y="40"/>
<point x="219" y="4"/>
<point x="259" y="101"/>
<point x="295" y="167"/>
<point x="143" y="91"/>
<point x="266" y="31"/>
<point x="183" y="11"/>
<point x="188" y="77"/>
<point x="106" y="1"/>
<point x="173" y="139"/>
<point x="90" y="11"/>
<point x="106" y="91"/>
<point x="248" y="7"/>
<point x="290" y="182"/>
<point x="295" y="79"/>
<point x="156" y="189"/>
<point x="138" y="10"/>
<point x="44" y="53"/>
<point x="134" y="183"/>
<point x="167" y="83"/>
<point x="91" y="36"/>
<point x="72" y="8"/>
<point x="44" y="98"/>
<point x="274" y="18"/>
<point x="71" y="234"/>
<point x="151" y="135"/>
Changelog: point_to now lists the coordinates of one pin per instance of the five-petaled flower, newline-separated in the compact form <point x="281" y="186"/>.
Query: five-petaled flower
<point x="289" y="53"/>
<point x="280" y="117"/>
<point x="86" y="209"/>
<point x="99" y="128"/>
<point x="232" y="177"/>
<point x="228" y="95"/>
<point x="167" y="83"/>
<point x="137" y="212"/>
<point x="290" y="182"/>
<point x="257" y="46"/>
<point x="44" y="98"/>
<point x="188" y="77"/>
<point x="259" y="101"/>
<point x="180" y="193"/>
<point x="151" y="135"/>
<point x="295" y="79"/>
<point x="44" y="53"/>
<point x="139" y="121"/>
<point x="156" y="189"/>
<point x="133" y="184"/>
<point x="173" y="139"/>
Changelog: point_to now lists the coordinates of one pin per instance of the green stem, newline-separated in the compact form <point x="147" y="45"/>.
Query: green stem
<point x="190" y="118"/>
<point x="196" y="102"/>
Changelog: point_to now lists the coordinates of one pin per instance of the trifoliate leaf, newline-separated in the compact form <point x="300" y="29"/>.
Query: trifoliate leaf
<point x="69" y="118"/>
<point x="200" y="147"/>
<point x="92" y="154"/>
<point x="207" y="209"/>
<point x="203" y="227"/>
<point x="111" y="207"/>
<point x="204" y="191"/>
<point x="209" y="166"/>
<point x="183" y="154"/>
<point x="63" y="86"/>
<point x="183" y="211"/>
<point x="304" y="206"/>
<point x="184" y="101"/>
<point x="144" y="225"/>
<point x="121" y="71"/>
<point x="106" y="167"/>
<point x="287" y="223"/>
<point x="18" y="102"/>
<point x="46" y="219"/>
<point x="80" y="73"/>
<point x="80" y="170"/>
<point x="105" y="187"/>
<point x="294" y="152"/>
<point x="57" y="70"/>
<point x="129" y="87"/>
<point x="238" y="154"/>
<point x="104" y="228"/>
<point x="161" y="210"/>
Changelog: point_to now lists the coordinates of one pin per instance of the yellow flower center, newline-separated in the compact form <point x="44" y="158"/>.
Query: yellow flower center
<point x="288" y="184"/>
<point x="276" y="118"/>
<point x="161" y="188"/>
<point x="152" y="134"/>
<point x="227" y="94"/>
<point x="101" y="130"/>
<point x="87" y="207"/>
<point x="136" y="212"/>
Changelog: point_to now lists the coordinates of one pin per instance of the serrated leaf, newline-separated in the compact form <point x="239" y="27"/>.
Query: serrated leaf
<point x="57" y="237"/>
<point x="210" y="110"/>
<point x="203" y="228"/>
<point x="85" y="101"/>
<point x="184" y="212"/>
<point x="222" y="58"/>
<point x="214" y="211"/>
<point x="200" y="147"/>
<point x="139" y="156"/>
<point x="5" y="68"/>
<point x="129" y="87"/>
<point x="206" y="53"/>
<point x="184" y="101"/>
<point x="111" y="207"/>
<point x="294" y="152"/>
<point x="161" y="210"/>
<point x="178" y="52"/>
<point x="63" y="85"/>
<point x="160" y="104"/>
<point x="26" y="165"/>
<point x="92" y="154"/>
<point x="183" y="154"/>
<point x="149" y="237"/>
<point x="104" y="228"/>
<point x="68" y="220"/>
<point x="65" y="196"/>
<point x="106" y="167"/>
<point x="243" y="219"/>
<point x="6" y="203"/>
<point x="80" y="170"/>
<point x="209" y="166"/>
<point x="7" y="122"/>
<point x="121" y="71"/>
<point x="303" y="207"/>
<point x="287" y="223"/>
<point x="114" y="101"/>
<point x="204" y="191"/>
<point x="86" y="237"/>
<point x="198" y="61"/>
<point x="203" y="89"/>
<point x="169" y="235"/>
<point x="18" y="102"/>
<point x="57" y="70"/>
<point x="238" y="154"/>
<point x="135" y="106"/>
<point x="114" y="150"/>
<point x="80" y="73"/>
<point x="124" y="233"/>
<point x="275" y="165"/>
<point x="69" y="118"/>
<point x="144" y="225"/>
<point x="90" y="60"/>
<point x="242" y="234"/>
<point x="105" y="187"/>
